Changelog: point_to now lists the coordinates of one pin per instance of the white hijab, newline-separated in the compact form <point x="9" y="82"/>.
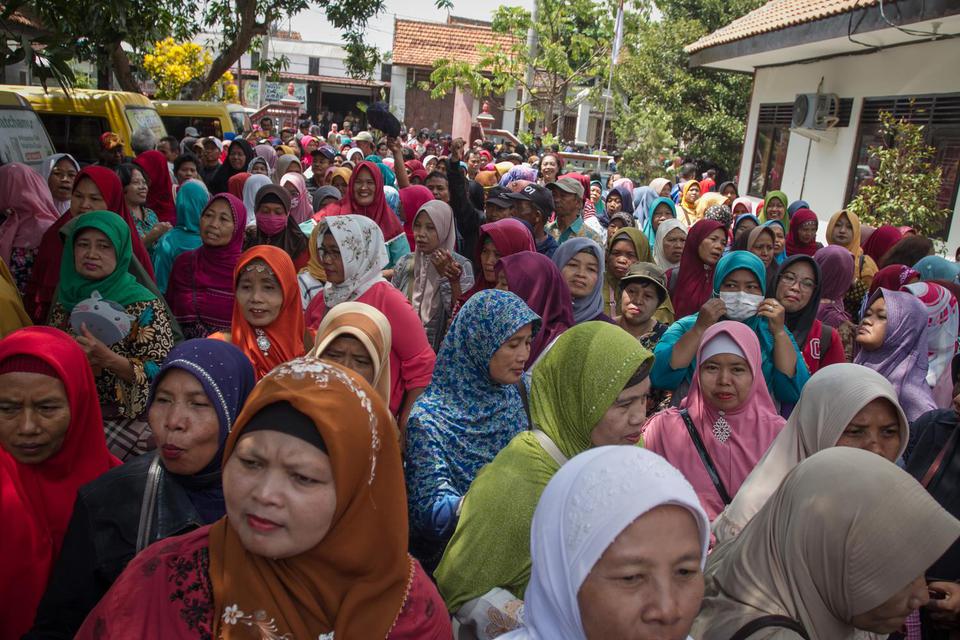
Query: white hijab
<point x="586" y="505"/>
<point x="250" y="188"/>
<point x="364" y="256"/>
<point x="48" y="164"/>
<point x="830" y="400"/>
<point x="665" y="227"/>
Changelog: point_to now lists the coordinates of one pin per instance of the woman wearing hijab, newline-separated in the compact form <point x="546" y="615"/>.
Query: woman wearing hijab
<point x="312" y="277"/>
<point x="276" y="227"/>
<point x="28" y="211"/>
<point x="580" y="261"/>
<point x="357" y="337"/>
<point x="780" y="230"/>
<point x="159" y="185"/>
<point x="707" y="201"/>
<point x="659" y="211"/>
<point x="846" y="405"/>
<point x="937" y="268"/>
<point x="725" y="423"/>
<point x="798" y="285"/>
<point x="836" y="269"/>
<point x="844" y="230"/>
<point x="60" y="170"/>
<point x="267" y="322"/>
<point x="250" y="190"/>
<point x="801" y="555"/>
<point x="12" y="314"/>
<point x="96" y="188"/>
<point x="268" y="153"/>
<point x="689" y="194"/>
<point x="649" y="514"/>
<point x="236" y="183"/>
<point x="943" y="324"/>
<point x="743" y="224"/>
<point x="195" y="399"/>
<point x="618" y="200"/>
<point x="668" y="248"/>
<point x="486" y="566"/>
<point x="691" y="284"/>
<point x="42" y="371"/>
<point x="881" y="241"/>
<point x="739" y="290"/>
<point x="498" y="240"/>
<point x="802" y="238"/>
<point x="95" y="266"/>
<point x="201" y="280"/>
<point x="624" y="248"/>
<point x="258" y="166"/>
<point x="435" y="276"/>
<point x="893" y="340"/>
<point x="775" y="208"/>
<point x="192" y="198"/>
<point x="760" y="242"/>
<point x="472" y="409"/>
<point x="326" y="195"/>
<point x="643" y="198"/>
<point x="300" y="204"/>
<point x="286" y="163"/>
<point x="136" y="186"/>
<point x="340" y="569"/>
<point x="538" y="282"/>
<point x="661" y="186"/>
<point x="411" y="199"/>
<point x="893" y="277"/>
<point x="743" y="205"/>
<point x="353" y="254"/>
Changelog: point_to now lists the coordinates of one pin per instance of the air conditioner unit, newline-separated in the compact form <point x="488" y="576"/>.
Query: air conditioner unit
<point x="818" y="111"/>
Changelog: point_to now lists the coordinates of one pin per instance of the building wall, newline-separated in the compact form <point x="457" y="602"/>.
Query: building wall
<point x="818" y="172"/>
<point x="420" y="110"/>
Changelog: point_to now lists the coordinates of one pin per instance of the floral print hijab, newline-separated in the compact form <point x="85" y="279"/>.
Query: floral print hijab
<point x="364" y="255"/>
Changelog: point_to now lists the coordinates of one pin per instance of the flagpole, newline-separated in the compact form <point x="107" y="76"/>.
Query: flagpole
<point x="617" y="41"/>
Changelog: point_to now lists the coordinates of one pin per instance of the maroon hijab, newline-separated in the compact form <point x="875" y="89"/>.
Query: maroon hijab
<point x="538" y="281"/>
<point x="160" y="191"/>
<point x="695" y="278"/>
<point x="881" y="241"/>
<point x="794" y="246"/>
<point x="509" y="236"/>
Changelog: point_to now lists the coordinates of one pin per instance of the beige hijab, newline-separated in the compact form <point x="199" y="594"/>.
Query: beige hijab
<point x="844" y="532"/>
<point x="830" y="400"/>
<point x="426" y="280"/>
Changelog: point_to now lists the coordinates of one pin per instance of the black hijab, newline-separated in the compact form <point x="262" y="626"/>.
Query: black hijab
<point x="799" y="322"/>
<point x="218" y="183"/>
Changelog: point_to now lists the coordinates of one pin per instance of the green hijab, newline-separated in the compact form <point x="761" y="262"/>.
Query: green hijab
<point x="491" y="545"/>
<point x="782" y="197"/>
<point x="120" y="286"/>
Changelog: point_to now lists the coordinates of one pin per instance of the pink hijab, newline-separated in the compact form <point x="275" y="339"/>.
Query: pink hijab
<point x="753" y="426"/>
<point x="300" y="205"/>
<point x="27" y="195"/>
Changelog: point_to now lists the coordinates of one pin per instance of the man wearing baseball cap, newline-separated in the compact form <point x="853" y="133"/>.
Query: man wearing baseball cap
<point x="498" y="206"/>
<point x="364" y="142"/>
<point x="568" y="203"/>
<point x="111" y="150"/>
<point x="534" y="205"/>
<point x="320" y="160"/>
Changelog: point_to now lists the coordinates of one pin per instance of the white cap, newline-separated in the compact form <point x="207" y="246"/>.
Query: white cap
<point x="719" y="344"/>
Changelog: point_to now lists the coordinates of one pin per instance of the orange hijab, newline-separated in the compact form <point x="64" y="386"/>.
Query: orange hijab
<point x="355" y="581"/>
<point x="286" y="332"/>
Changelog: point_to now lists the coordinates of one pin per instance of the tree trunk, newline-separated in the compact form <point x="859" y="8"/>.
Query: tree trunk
<point x="121" y="69"/>
<point x="249" y="29"/>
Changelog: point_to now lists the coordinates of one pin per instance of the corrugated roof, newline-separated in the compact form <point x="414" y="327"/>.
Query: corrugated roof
<point x="421" y="44"/>
<point x="776" y="14"/>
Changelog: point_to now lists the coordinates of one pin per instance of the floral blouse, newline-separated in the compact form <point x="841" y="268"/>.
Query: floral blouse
<point x="21" y="267"/>
<point x="149" y="221"/>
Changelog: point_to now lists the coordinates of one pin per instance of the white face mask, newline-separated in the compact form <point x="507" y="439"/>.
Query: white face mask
<point x="740" y="304"/>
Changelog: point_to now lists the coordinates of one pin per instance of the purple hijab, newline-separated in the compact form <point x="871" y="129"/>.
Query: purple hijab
<point x="902" y="359"/>
<point x="836" y="267"/>
<point x="538" y="281"/>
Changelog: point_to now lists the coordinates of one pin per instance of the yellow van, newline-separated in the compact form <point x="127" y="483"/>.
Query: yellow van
<point x="76" y="120"/>
<point x="208" y="118"/>
<point x="22" y="135"/>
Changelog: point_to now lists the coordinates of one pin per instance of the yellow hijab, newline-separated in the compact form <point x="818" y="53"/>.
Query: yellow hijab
<point x="12" y="314"/>
<point x="864" y="268"/>
<point x="690" y="210"/>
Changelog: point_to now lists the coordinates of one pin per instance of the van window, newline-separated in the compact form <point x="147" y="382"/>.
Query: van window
<point x="145" y="118"/>
<point x="23" y="138"/>
<point x="76" y="134"/>
<point x="176" y="125"/>
<point x="241" y="122"/>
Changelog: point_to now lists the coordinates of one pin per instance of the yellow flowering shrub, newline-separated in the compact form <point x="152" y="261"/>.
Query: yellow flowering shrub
<point x="171" y="65"/>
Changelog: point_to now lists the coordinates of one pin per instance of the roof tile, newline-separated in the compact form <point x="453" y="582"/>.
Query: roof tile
<point x="421" y="44"/>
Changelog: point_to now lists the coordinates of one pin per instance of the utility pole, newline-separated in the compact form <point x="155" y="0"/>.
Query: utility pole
<point x="526" y="95"/>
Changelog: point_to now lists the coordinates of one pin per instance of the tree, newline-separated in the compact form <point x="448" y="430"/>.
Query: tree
<point x="172" y="65"/>
<point x="906" y="184"/>
<point x="96" y="30"/>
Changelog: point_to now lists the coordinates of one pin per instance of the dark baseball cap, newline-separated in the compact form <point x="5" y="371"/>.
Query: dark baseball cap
<point x="541" y="197"/>
<point x="324" y="151"/>
<point x="646" y="272"/>
<point x="497" y="196"/>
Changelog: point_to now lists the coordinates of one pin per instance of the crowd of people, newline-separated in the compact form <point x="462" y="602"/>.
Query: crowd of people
<point x="307" y="384"/>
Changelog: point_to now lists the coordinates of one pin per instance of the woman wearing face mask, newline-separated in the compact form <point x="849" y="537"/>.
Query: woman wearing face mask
<point x="739" y="289"/>
<point x="434" y="276"/>
<point x="267" y="321"/>
<point x="195" y="399"/>
<point x="691" y="283"/>
<point x="800" y="556"/>
<point x="842" y="406"/>
<point x="725" y="423"/>
<point x="486" y="566"/>
<point x="650" y="518"/>
<point x="60" y="170"/>
<point x="892" y="338"/>
<point x="472" y="409"/>
<point x="314" y="543"/>
<point x="300" y="205"/>
<point x="276" y="226"/>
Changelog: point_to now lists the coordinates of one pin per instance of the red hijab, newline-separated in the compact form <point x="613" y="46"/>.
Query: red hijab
<point x="378" y="210"/>
<point x="160" y="191"/>
<point x="695" y="278"/>
<point x="411" y="199"/>
<point x="36" y="500"/>
<point x="509" y="236"/>
<point x="893" y="277"/>
<point x="46" y="268"/>
<point x="235" y="184"/>
<point x="794" y="246"/>
<point x="881" y="241"/>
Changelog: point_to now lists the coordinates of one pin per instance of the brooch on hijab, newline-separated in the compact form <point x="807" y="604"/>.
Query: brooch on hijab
<point x="264" y="344"/>
<point x="721" y="429"/>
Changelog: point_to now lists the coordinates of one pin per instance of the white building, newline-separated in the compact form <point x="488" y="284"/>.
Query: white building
<point x="876" y="56"/>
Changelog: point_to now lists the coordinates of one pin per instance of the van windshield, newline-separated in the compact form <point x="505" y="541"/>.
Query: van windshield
<point x="145" y="118"/>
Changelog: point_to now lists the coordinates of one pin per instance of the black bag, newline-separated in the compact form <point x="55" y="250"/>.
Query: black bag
<point x="379" y="117"/>
<point x="705" y="457"/>
<point x="766" y="622"/>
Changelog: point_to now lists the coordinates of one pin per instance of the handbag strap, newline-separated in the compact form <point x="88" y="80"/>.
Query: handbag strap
<point x="766" y="622"/>
<point x="949" y="445"/>
<point x="705" y="457"/>
<point x="148" y="504"/>
<point x="549" y="446"/>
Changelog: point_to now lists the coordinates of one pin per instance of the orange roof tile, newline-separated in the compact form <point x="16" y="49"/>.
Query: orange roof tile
<point x="421" y="44"/>
<point x="776" y="14"/>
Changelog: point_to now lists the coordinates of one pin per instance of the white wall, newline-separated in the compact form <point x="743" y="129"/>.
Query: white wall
<point x="398" y="91"/>
<point x="822" y="178"/>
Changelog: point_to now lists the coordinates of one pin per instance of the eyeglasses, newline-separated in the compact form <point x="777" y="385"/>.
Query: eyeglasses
<point x="332" y="254"/>
<point x="790" y="279"/>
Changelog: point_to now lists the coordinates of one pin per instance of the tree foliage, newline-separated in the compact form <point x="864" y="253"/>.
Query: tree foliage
<point x="906" y="184"/>
<point x="172" y="65"/>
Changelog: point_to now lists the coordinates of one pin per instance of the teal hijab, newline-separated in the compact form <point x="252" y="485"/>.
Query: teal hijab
<point x="120" y="286"/>
<point x="192" y="198"/>
<point x="389" y="177"/>
<point x="780" y="257"/>
<point x="648" y="223"/>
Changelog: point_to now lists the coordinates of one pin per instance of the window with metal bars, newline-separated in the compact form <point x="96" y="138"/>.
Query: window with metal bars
<point x="770" y="148"/>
